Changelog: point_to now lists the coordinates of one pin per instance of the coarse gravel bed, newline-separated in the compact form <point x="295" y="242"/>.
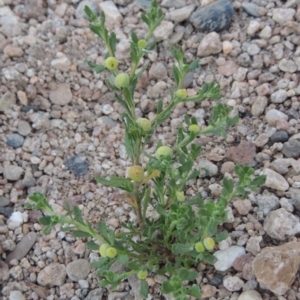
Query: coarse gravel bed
<point x="60" y="126"/>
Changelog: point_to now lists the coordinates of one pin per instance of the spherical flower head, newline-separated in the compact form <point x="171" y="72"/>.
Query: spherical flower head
<point x="180" y="196"/>
<point x="163" y="152"/>
<point x="142" y="275"/>
<point x="199" y="247"/>
<point x="111" y="63"/>
<point x="209" y="243"/>
<point x="103" y="248"/>
<point x="142" y="44"/>
<point x="122" y="80"/>
<point x="144" y="123"/>
<point x="194" y="128"/>
<point x="181" y="93"/>
<point x="111" y="252"/>
<point x="135" y="173"/>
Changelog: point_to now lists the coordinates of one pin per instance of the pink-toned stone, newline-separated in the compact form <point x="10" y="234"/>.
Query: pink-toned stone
<point x="243" y="154"/>
<point x="13" y="51"/>
<point x="243" y="206"/>
<point x="208" y="291"/>
<point x="241" y="261"/>
<point x="228" y="69"/>
<point x="263" y="89"/>
<point x="276" y="267"/>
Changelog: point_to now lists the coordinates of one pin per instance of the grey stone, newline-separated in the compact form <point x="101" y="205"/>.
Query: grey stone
<point x="80" y="9"/>
<point x="78" y="269"/>
<point x="207" y="168"/>
<point x="12" y="172"/>
<point x="291" y="149"/>
<point x="15" y="140"/>
<point x="62" y="33"/>
<point x="7" y="101"/>
<point x="281" y="224"/>
<point x="267" y="202"/>
<point x="286" y="65"/>
<point x="251" y="9"/>
<point x="4" y="201"/>
<point x="77" y="165"/>
<point x="279" y="96"/>
<point x="280" y="136"/>
<point x="144" y="4"/>
<point x="213" y="17"/>
<point x="62" y="95"/>
<point x="24" y="128"/>
<point x="282" y="15"/>
<point x="16" y="295"/>
<point x="23" y="247"/>
<point x="294" y="197"/>
<point x="188" y="80"/>
<point x="293" y="114"/>
<point x="95" y="294"/>
<point x="52" y="275"/>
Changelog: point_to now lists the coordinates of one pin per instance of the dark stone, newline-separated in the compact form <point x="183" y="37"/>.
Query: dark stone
<point x="6" y="211"/>
<point x="216" y="280"/>
<point x="279" y="137"/>
<point x="293" y="114"/>
<point x="291" y="149"/>
<point x="188" y="80"/>
<point x="213" y="17"/>
<point x="27" y="108"/>
<point x="15" y="140"/>
<point x="77" y="165"/>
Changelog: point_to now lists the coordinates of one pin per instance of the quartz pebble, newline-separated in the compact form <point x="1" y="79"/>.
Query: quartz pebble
<point x="226" y="258"/>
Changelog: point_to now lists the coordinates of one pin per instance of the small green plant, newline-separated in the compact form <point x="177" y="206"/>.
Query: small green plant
<point x="186" y="229"/>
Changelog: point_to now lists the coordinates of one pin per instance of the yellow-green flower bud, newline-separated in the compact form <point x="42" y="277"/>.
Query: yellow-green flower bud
<point x="142" y="275"/>
<point x="111" y="252"/>
<point x="180" y="196"/>
<point x="209" y="243"/>
<point x="181" y="93"/>
<point x="163" y="152"/>
<point x="102" y="249"/>
<point x="194" y="128"/>
<point x="199" y="247"/>
<point x="136" y="173"/>
<point x="142" y="44"/>
<point x="122" y="80"/>
<point x="111" y="63"/>
<point x="144" y="123"/>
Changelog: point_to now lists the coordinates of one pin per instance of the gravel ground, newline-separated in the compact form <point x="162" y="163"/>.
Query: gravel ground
<point x="60" y="126"/>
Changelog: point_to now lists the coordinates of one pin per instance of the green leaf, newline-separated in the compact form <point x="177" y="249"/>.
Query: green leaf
<point x="160" y="210"/>
<point x="167" y="287"/>
<point x="92" y="246"/>
<point x="183" y="274"/>
<point x="228" y="185"/>
<point x="192" y="275"/>
<point x="78" y="215"/>
<point x="113" y="42"/>
<point x="47" y="229"/>
<point x="45" y="220"/>
<point x="81" y="234"/>
<point x="261" y="179"/>
<point x="209" y="258"/>
<point x="90" y="14"/>
<point x="103" y="229"/>
<point x="181" y="248"/>
<point x="193" y="175"/>
<point x="117" y="182"/>
<point x="194" y="64"/>
<point x="176" y="74"/>
<point x="194" y="291"/>
<point x="144" y="289"/>
<point x="221" y="236"/>
<point x="99" y="263"/>
<point x="123" y="259"/>
<point x="96" y="68"/>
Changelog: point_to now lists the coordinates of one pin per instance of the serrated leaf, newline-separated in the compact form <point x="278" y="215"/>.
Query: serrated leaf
<point x="123" y="259"/>
<point x="193" y="175"/>
<point x="183" y="274"/>
<point x="194" y="64"/>
<point x="47" y="229"/>
<point x="90" y="14"/>
<point x="228" y="185"/>
<point x="92" y="246"/>
<point x="117" y="182"/>
<point x="192" y="275"/>
<point x="113" y="42"/>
